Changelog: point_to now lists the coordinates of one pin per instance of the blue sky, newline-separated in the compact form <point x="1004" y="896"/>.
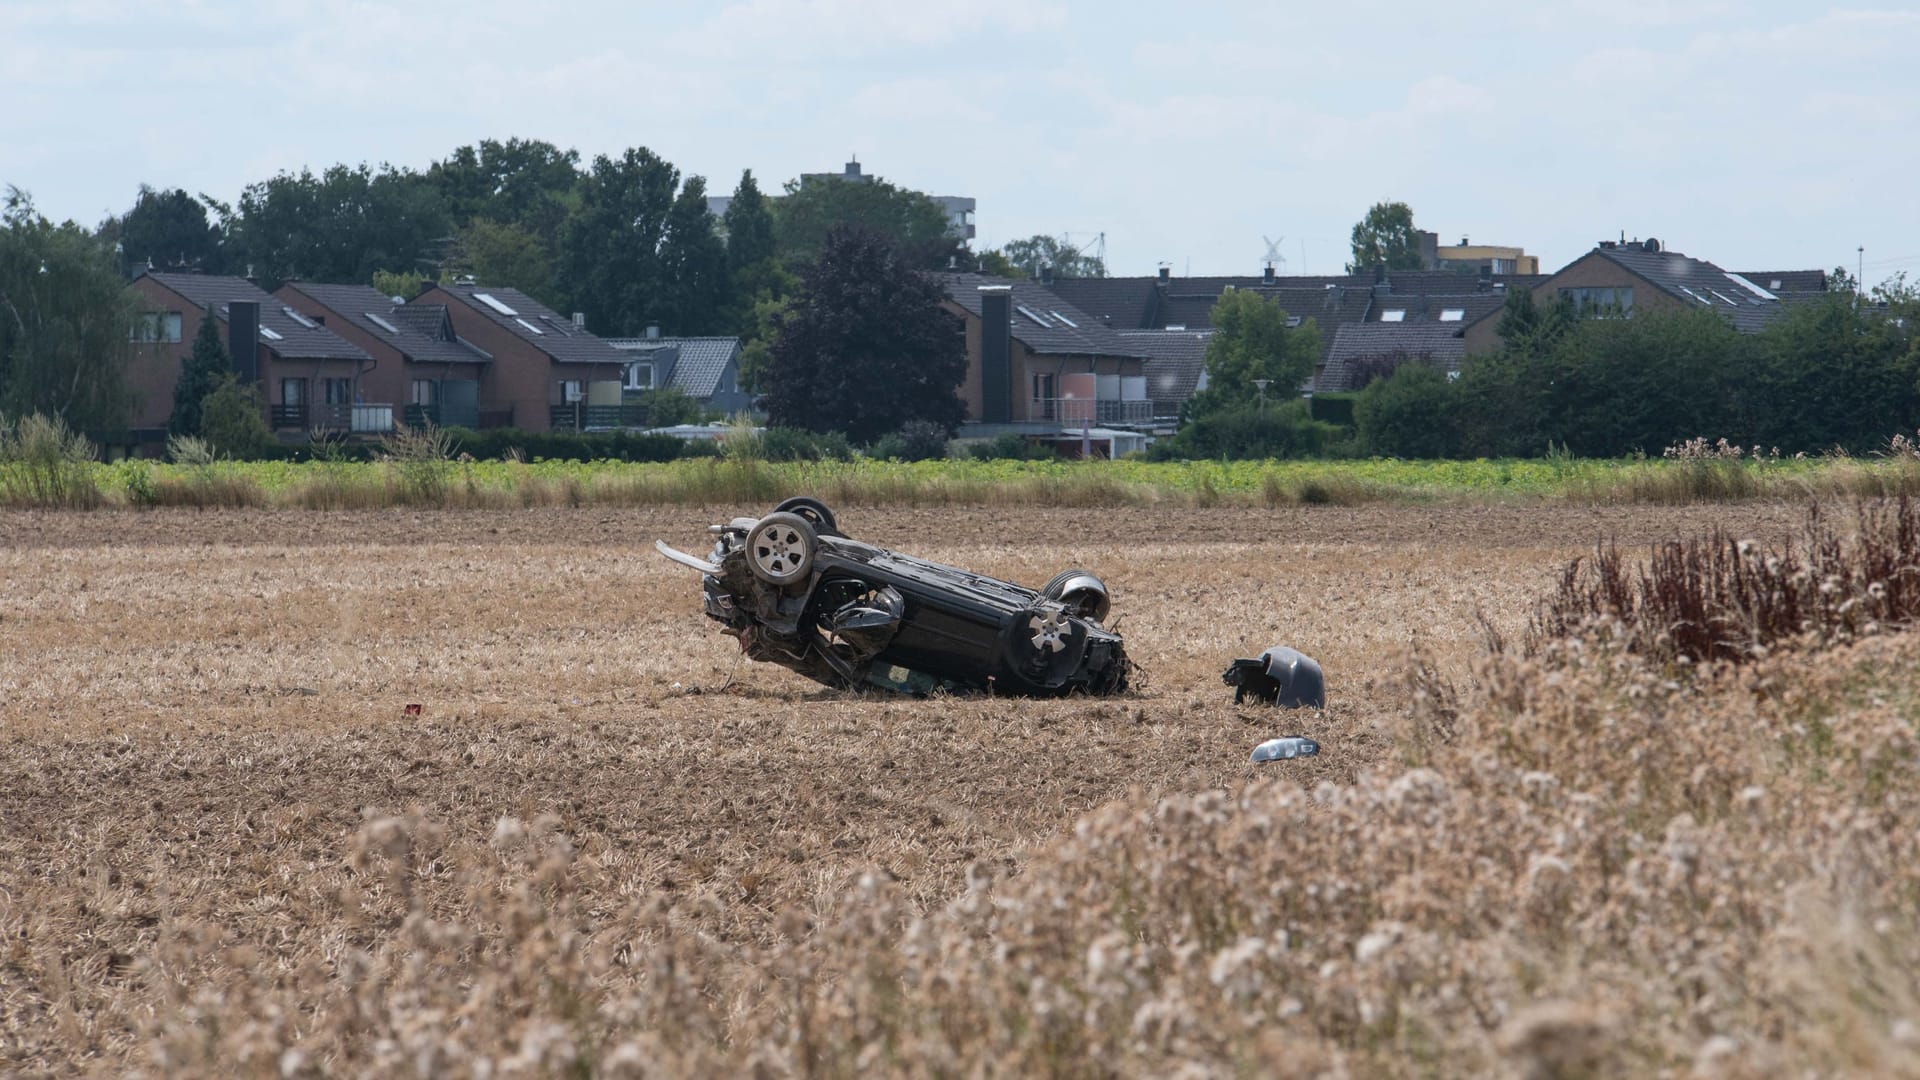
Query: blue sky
<point x="1757" y="135"/>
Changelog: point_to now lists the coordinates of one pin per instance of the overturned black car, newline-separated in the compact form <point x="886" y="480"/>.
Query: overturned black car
<point x="798" y="592"/>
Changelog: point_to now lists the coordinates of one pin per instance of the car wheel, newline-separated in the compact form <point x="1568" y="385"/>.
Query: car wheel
<point x="1081" y="593"/>
<point x="780" y="548"/>
<point x="813" y="510"/>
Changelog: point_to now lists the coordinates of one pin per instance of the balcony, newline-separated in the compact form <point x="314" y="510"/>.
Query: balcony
<point x="342" y="419"/>
<point x="1090" y="412"/>
<point x="583" y="417"/>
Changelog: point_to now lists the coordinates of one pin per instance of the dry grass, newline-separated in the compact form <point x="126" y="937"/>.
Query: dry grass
<point x="226" y="852"/>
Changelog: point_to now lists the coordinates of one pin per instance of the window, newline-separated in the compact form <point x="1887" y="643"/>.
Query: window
<point x="488" y="299"/>
<point x="156" y="326"/>
<point x="336" y="391"/>
<point x="1063" y="319"/>
<point x="1045" y="392"/>
<point x="1601" y="301"/>
<point x="572" y="390"/>
<point x="640" y="376"/>
<point x="293" y="391"/>
<point x="1294" y="321"/>
<point x="559" y="327"/>
<point x="382" y="323"/>
<point x="1394" y="315"/>
<point x="1038" y="319"/>
<point x="1453" y="314"/>
<point x="299" y="318"/>
<point x="270" y="334"/>
<point x="530" y="326"/>
<point x="425" y="392"/>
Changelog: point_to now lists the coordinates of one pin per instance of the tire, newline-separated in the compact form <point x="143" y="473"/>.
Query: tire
<point x="1081" y="592"/>
<point x="814" y="511"/>
<point x="780" y="548"/>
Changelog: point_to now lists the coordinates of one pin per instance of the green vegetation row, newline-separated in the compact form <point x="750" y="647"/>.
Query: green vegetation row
<point x="747" y="483"/>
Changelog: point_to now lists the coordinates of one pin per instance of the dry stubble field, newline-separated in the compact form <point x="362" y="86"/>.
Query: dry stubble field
<point x="200" y="712"/>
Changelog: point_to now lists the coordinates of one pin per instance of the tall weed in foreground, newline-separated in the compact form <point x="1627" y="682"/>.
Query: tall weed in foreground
<point x="210" y="478"/>
<point x="44" y="464"/>
<point x="1721" y="597"/>
<point x="417" y="460"/>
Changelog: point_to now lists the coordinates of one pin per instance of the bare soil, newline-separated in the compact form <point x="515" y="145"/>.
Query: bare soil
<point x="198" y="708"/>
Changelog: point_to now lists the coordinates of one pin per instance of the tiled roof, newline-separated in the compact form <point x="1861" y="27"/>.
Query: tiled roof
<point x="1787" y="281"/>
<point x="295" y="341"/>
<point x="1433" y="308"/>
<point x="1697" y="283"/>
<point x="701" y="363"/>
<point x="1438" y="344"/>
<point x="1061" y="329"/>
<point x="538" y="325"/>
<point x="1118" y="303"/>
<point x="1175" y="362"/>
<point x="423" y="334"/>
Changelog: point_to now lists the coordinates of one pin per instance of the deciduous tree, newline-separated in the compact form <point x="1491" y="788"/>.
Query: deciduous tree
<point x="911" y="222"/>
<point x="864" y="345"/>
<point x="67" y="321"/>
<point x="1066" y="260"/>
<point x="1251" y="340"/>
<point x="1385" y="237"/>
<point x="609" y="265"/>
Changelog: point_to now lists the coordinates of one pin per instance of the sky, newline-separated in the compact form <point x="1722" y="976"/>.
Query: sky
<point x="1760" y="135"/>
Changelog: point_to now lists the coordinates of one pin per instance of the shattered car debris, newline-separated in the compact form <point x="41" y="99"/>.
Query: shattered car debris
<point x="1285" y="748"/>
<point x="798" y="592"/>
<point x="1280" y="676"/>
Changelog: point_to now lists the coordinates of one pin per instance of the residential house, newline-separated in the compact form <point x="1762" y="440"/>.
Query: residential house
<point x="1619" y="279"/>
<point x="547" y="371"/>
<point x="419" y="361"/>
<point x="1039" y="366"/>
<point x="1176" y="369"/>
<point x="1364" y="351"/>
<point x="308" y="375"/>
<point x="1492" y="258"/>
<point x="706" y="369"/>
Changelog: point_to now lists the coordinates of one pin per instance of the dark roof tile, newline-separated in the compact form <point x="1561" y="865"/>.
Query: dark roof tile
<point x="421" y="332"/>
<point x="1060" y="328"/>
<point x="296" y="340"/>
<point x="1438" y="344"/>
<point x="538" y="325"/>
<point x="701" y="363"/>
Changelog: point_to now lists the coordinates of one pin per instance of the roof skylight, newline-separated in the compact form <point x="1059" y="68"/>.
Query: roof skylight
<point x="530" y="326"/>
<point x="1063" y="318"/>
<point x="1453" y="314"/>
<point x="491" y="301"/>
<point x="1394" y="315"/>
<point x="301" y="319"/>
<point x="269" y="334"/>
<point x="382" y="323"/>
<point x="1038" y="319"/>
<point x="1751" y="287"/>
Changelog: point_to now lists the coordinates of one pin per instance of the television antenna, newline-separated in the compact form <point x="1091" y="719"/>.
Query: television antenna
<point x="1274" y="258"/>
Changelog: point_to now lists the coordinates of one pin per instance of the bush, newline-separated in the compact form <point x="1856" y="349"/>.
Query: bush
<point x="501" y="444"/>
<point x="1010" y="447"/>
<point x="794" y="444"/>
<point x="419" y="458"/>
<point x="233" y="419"/>
<point x="1249" y="432"/>
<point x="917" y="440"/>
<point x="1332" y="408"/>
<point x="42" y="463"/>
<point x="1407" y="414"/>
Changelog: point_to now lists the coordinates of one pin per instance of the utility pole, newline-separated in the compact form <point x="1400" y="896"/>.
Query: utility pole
<point x="1860" y="276"/>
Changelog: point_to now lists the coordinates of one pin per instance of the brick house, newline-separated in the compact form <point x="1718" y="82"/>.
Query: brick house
<point x="432" y="374"/>
<point x="547" y="371"/>
<point x="1041" y="367"/>
<point x="1621" y="278"/>
<point x="306" y="373"/>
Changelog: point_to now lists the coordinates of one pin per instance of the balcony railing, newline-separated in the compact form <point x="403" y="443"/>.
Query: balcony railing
<point x="581" y="417"/>
<point x="444" y="415"/>
<point x="1078" y="412"/>
<point x="349" y="419"/>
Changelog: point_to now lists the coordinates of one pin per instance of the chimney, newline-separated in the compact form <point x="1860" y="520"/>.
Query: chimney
<point x="579" y="320"/>
<point x="1463" y="242"/>
<point x="1266" y="278"/>
<point x="996" y="354"/>
<point x="1166" y="273"/>
<point x="1486" y="276"/>
<point x="1381" y="286"/>
<point x="1046" y="273"/>
<point x="243" y="339"/>
<point x="653" y="330"/>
